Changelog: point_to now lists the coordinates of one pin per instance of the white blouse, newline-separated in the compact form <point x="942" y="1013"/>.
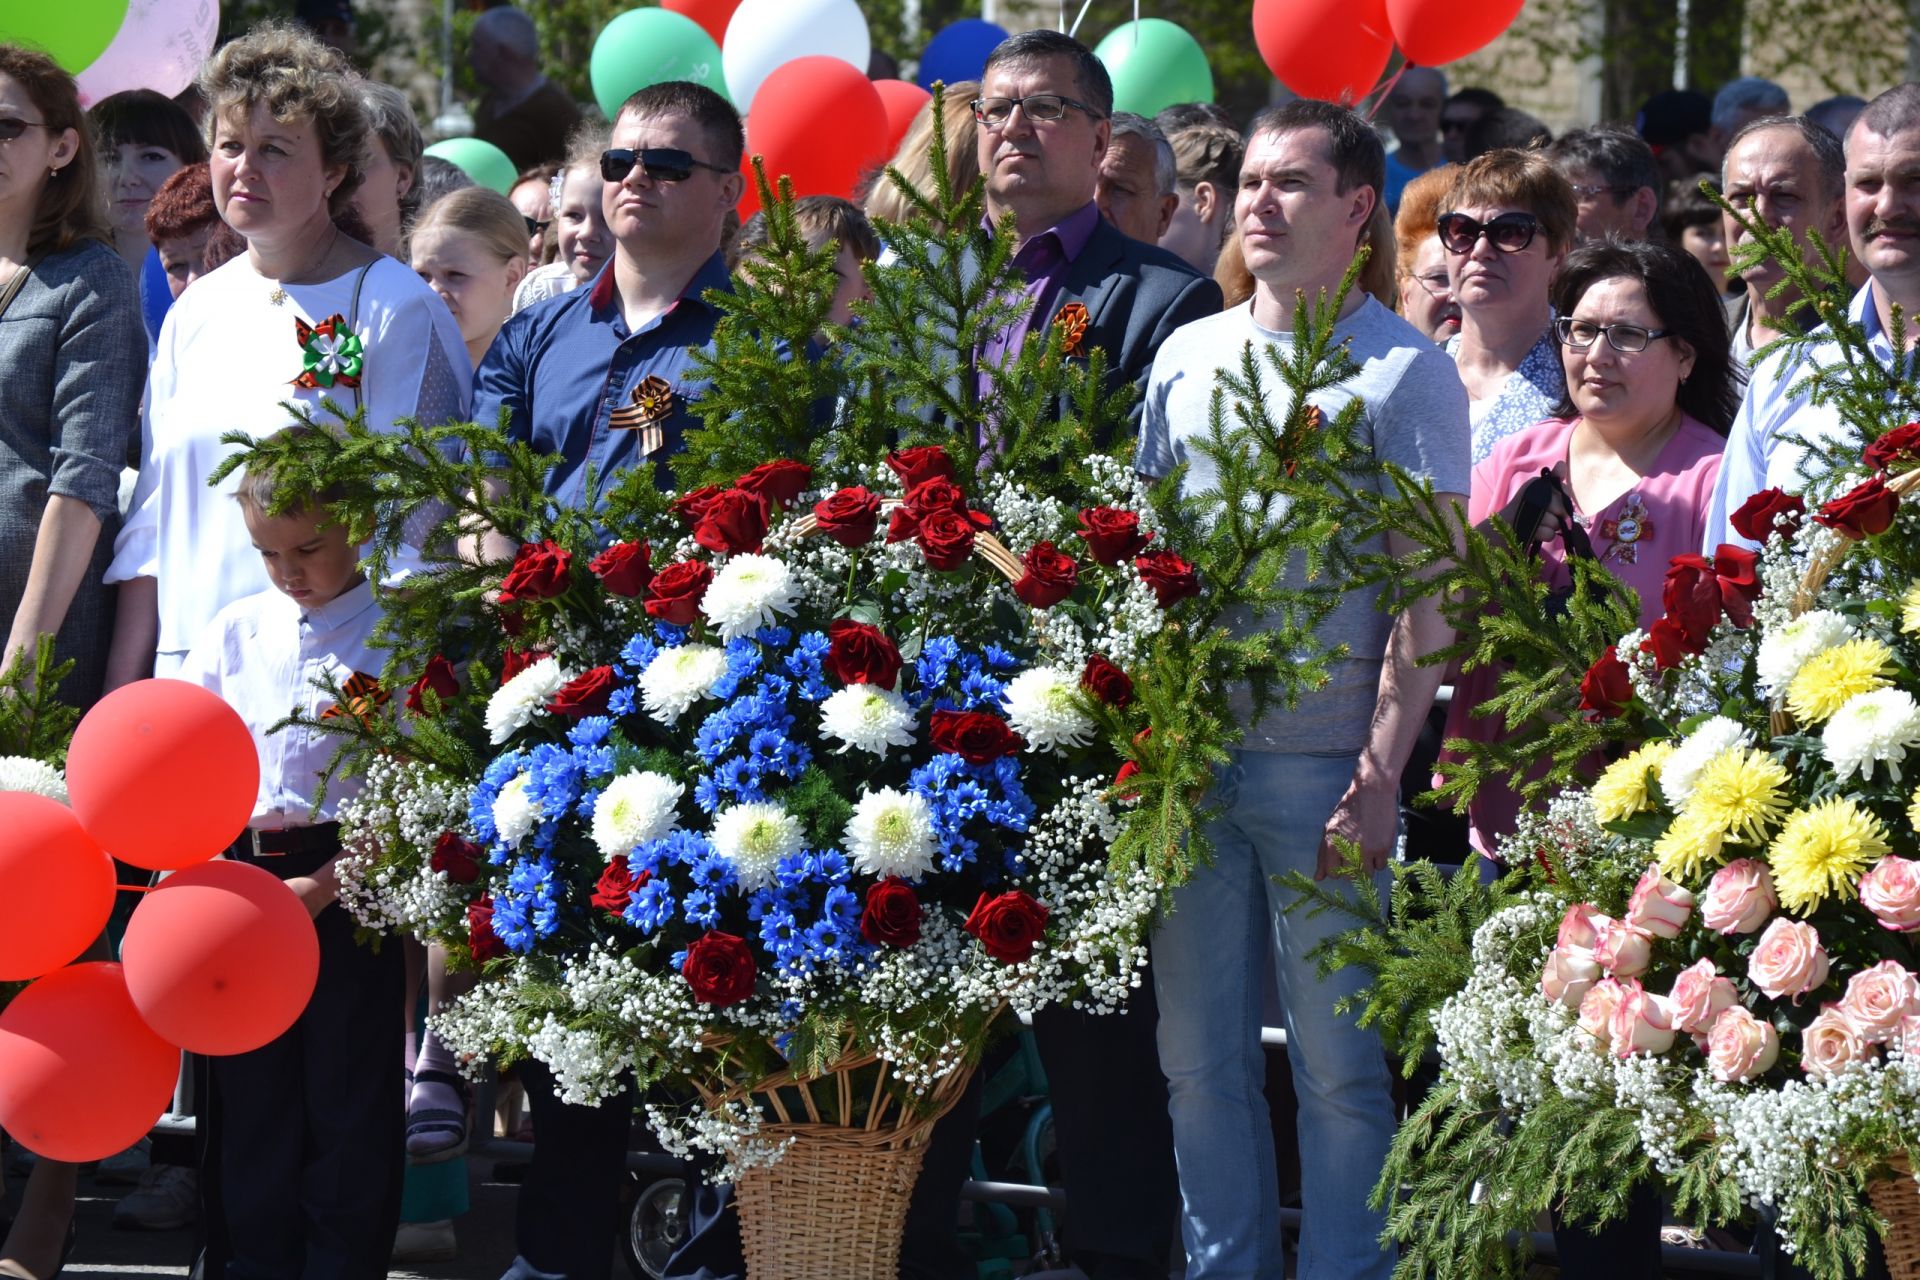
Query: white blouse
<point x="226" y="361"/>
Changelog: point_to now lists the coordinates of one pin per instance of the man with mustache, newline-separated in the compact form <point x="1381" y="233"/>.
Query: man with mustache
<point x="1882" y="206"/>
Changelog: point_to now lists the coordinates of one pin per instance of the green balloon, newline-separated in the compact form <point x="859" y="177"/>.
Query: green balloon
<point x="644" y="47"/>
<point x="1155" y="64"/>
<point x="72" y="32"/>
<point x="485" y="163"/>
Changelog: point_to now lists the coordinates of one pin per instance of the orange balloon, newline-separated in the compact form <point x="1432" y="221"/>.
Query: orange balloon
<point x="56" y="886"/>
<point x="163" y="774"/>
<point x="902" y="100"/>
<point x="1433" y="32"/>
<point x="221" y="958"/>
<point x="1331" y="49"/>
<point x="785" y="126"/>
<point x="81" y="1077"/>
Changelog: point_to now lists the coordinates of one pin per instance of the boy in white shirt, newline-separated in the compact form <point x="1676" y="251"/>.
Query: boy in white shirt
<point x="302" y="1141"/>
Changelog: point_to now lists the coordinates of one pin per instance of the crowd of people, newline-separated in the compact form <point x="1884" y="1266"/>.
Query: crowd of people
<point x="1538" y="311"/>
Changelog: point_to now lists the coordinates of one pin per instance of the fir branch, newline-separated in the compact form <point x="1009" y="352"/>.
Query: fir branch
<point x="33" y="721"/>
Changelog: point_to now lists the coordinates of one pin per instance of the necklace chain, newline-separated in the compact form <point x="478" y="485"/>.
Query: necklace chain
<point x="278" y="295"/>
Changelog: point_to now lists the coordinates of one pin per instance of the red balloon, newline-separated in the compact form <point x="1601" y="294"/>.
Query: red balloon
<point x="81" y="1077"/>
<point x="163" y="774"/>
<point x="221" y="958"/>
<point x="56" y="886"/>
<point x="1432" y="32"/>
<point x="902" y="100"/>
<point x="820" y="122"/>
<point x="1331" y="49"/>
<point x="711" y="14"/>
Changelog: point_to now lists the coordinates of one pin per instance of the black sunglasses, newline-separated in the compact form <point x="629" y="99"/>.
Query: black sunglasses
<point x="1509" y="233"/>
<point x="12" y="127"/>
<point x="662" y="164"/>
<point x="534" y="225"/>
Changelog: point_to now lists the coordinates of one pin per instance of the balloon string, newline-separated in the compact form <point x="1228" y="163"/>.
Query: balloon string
<point x="1380" y="94"/>
<point x="1088" y="4"/>
<point x="136" y="888"/>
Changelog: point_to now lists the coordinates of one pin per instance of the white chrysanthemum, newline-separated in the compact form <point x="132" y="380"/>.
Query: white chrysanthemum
<point x="1786" y="648"/>
<point x="754" y="837"/>
<point x="23" y="773"/>
<point x="1870" y="729"/>
<point x="515" y="703"/>
<point x="891" y="834"/>
<point x="635" y="808"/>
<point x="1682" y="768"/>
<point x="868" y="717"/>
<point x="1043" y="706"/>
<point x="748" y="594"/>
<point x="679" y="677"/>
<point x="515" y="813"/>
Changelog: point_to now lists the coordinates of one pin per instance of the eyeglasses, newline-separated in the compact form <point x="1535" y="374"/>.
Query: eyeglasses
<point x="1624" y="338"/>
<point x="662" y="164"/>
<point x="534" y="225"/>
<point x="1604" y="188"/>
<point x="1038" y="106"/>
<point x="1509" y="233"/>
<point x="12" y="127"/>
<point x="1437" y="284"/>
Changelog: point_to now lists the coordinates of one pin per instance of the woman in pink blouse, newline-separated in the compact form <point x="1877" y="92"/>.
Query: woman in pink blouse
<point x="1650" y="394"/>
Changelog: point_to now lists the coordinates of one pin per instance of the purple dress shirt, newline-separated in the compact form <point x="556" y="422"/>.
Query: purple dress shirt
<point x="1044" y="259"/>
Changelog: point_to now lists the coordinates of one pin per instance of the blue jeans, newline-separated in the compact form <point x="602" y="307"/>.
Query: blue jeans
<point x="1206" y="958"/>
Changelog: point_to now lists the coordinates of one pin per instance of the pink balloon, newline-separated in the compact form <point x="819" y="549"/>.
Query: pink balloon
<point x="903" y="100"/>
<point x="56" y="886"/>
<point x="160" y="46"/>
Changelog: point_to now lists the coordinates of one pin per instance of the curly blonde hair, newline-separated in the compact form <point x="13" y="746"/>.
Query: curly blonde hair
<point x="297" y="78"/>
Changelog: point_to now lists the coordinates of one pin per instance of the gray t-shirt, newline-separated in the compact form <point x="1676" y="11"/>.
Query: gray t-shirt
<point x="1415" y="417"/>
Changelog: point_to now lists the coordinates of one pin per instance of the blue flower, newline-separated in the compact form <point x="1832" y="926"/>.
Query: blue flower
<point x="706" y="793"/>
<point x="938" y="654"/>
<point x="590" y="732"/>
<point x="978" y="689"/>
<point x="999" y="659"/>
<point x="716" y="733"/>
<point x="640" y="651"/>
<point x="804" y="665"/>
<point x="774" y="637"/>
<point x="702" y="908"/>
<point x="651" y="907"/>
<point x="713" y="872"/>
<point x="830" y="939"/>
<point x="620" y="702"/>
<point x="593" y="762"/>
<point x="743" y="662"/>
<point x="842" y="903"/>
<point x="528" y="908"/>
<point x="670" y="636"/>
<point x="502" y="770"/>
<point x="830" y="865"/>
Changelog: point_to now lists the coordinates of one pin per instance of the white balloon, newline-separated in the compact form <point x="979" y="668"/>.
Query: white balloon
<point x="160" y="46"/>
<point x="763" y="34"/>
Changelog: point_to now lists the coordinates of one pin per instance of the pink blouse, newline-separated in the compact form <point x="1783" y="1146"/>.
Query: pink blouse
<point x="1635" y="536"/>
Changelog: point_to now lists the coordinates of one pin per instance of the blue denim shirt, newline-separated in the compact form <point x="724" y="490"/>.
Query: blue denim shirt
<point x="563" y="369"/>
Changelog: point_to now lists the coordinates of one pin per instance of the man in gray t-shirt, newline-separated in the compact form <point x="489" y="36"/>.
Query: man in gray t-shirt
<point x="1328" y="768"/>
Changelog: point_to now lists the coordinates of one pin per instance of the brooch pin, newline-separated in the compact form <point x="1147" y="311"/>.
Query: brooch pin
<point x="647" y="410"/>
<point x="1071" y="320"/>
<point x="329" y="353"/>
<point x="363" y="695"/>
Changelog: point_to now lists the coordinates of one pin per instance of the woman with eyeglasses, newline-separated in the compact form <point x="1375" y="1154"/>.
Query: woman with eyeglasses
<point x="1507" y="225"/>
<point x="1426" y="290"/>
<point x="579" y="232"/>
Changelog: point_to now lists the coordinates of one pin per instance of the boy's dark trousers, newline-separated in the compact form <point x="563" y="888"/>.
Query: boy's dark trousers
<point x="303" y="1141"/>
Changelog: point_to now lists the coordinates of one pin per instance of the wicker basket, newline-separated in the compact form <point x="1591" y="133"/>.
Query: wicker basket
<point x="985" y="546"/>
<point x="1897" y="1199"/>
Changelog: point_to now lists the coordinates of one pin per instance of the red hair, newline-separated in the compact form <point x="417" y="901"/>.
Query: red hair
<point x="183" y="205"/>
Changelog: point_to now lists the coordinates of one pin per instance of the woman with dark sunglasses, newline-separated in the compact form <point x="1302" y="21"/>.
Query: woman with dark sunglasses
<point x="1506" y="224"/>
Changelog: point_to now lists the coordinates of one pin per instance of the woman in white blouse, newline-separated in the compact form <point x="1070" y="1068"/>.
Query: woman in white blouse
<point x="289" y="134"/>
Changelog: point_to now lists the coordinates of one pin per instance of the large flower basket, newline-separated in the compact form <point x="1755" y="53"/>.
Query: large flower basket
<point x="1897" y="1199"/>
<point x="834" y="1205"/>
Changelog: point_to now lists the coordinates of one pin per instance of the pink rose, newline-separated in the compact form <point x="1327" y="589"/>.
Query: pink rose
<point x="1641" y="1022"/>
<point x="1830" y="1042"/>
<point x="1569" y="975"/>
<point x="1907" y="1036"/>
<point x="1658" y="905"/>
<point x="1789" y="960"/>
<point x="1880" y="999"/>
<point x="1596" y="1010"/>
<point x="1623" y="950"/>
<point x="1739" y="898"/>
<point x="1892" y="892"/>
<point x="1741" y="1046"/>
<point x="1579" y="927"/>
<point x="1700" y="994"/>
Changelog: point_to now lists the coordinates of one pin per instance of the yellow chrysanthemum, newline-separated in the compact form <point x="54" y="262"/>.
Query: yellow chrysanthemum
<point x="1910" y="610"/>
<point x="1823" y="851"/>
<point x="1831" y="676"/>
<point x="1742" y="793"/>
<point x="1626" y="788"/>
<point x="1688" y="847"/>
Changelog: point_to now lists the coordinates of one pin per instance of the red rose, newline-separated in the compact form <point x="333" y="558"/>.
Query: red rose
<point x="1112" y="535"/>
<point x="719" y="968"/>
<point x="927" y="462"/>
<point x="734" y="521"/>
<point x="458" y="857"/>
<point x="1692" y="596"/>
<point x="584" y="695"/>
<point x="1171" y="578"/>
<point x="1738" y="571"/>
<point x="861" y="654"/>
<point x="439" y="677"/>
<point x="1107" y="682"/>
<point x="848" y="517"/>
<point x="1902" y="444"/>
<point x="690" y="506"/>
<point x="514" y="661"/>
<point x="1766" y="511"/>
<point x="1049" y="577"/>
<point x="778" y="482"/>
<point x="974" y="736"/>
<point x="1668" y="642"/>
<point x="617" y="885"/>
<point x="1605" y="690"/>
<point x="946" y="539"/>
<point x="675" y="593"/>
<point x="1864" y="511"/>
<point x="891" y="917"/>
<point x="624" y="568"/>
<point x="481" y="939"/>
<point x="937" y="495"/>
<point x="1008" y="925"/>
<point x="1127" y="770"/>
<point x="539" y="572"/>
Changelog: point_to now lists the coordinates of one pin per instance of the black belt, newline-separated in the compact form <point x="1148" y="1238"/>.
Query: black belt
<point x="291" y="851"/>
